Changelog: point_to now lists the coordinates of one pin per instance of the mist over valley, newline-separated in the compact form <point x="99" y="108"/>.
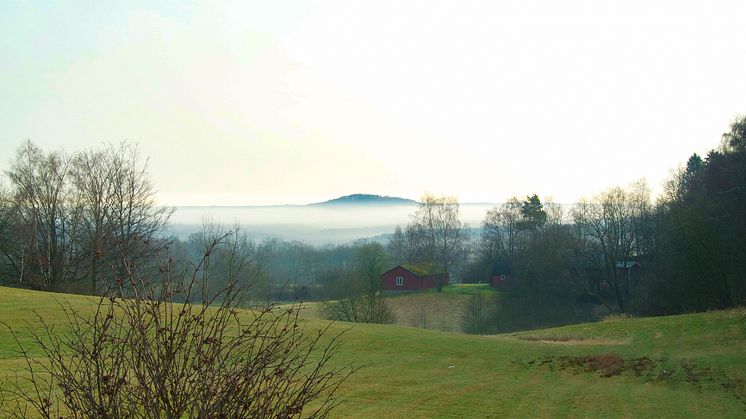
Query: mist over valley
<point x="331" y="222"/>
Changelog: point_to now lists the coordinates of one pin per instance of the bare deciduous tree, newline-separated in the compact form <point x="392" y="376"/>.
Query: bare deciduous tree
<point x="397" y="247"/>
<point x="475" y="319"/>
<point x="67" y="207"/>
<point x="500" y="230"/>
<point x="92" y="174"/>
<point x="137" y="220"/>
<point x="358" y="293"/>
<point x="240" y="260"/>
<point x="608" y="228"/>
<point x="47" y="215"/>
<point x="13" y="252"/>
<point x="439" y="234"/>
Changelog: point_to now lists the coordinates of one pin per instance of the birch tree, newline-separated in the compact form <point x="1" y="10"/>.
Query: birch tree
<point x="441" y="234"/>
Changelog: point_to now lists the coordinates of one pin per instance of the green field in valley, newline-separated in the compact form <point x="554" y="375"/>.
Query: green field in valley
<point x="680" y="366"/>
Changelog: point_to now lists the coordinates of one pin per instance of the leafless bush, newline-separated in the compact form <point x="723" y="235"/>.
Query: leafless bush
<point x="475" y="319"/>
<point x="162" y="348"/>
<point x="359" y="308"/>
<point x="357" y="293"/>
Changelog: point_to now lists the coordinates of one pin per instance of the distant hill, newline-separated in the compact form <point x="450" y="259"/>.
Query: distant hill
<point x="366" y="199"/>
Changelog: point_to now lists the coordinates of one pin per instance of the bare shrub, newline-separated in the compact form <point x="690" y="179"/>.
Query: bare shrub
<point x="357" y="293"/>
<point x="354" y="301"/>
<point x="475" y="319"/>
<point x="160" y="347"/>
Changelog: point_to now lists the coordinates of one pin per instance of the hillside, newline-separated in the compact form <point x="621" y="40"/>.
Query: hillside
<point x="679" y="366"/>
<point x="366" y="199"/>
<point x="432" y="310"/>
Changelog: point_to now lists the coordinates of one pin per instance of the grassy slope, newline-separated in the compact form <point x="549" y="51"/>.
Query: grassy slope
<point x="699" y="367"/>
<point x="426" y="309"/>
<point x="432" y="310"/>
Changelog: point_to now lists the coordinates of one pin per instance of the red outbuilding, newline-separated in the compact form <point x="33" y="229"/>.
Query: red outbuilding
<point x="499" y="280"/>
<point x="409" y="278"/>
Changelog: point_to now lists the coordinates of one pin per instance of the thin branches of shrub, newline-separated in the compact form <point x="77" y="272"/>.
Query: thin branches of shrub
<point x="159" y="346"/>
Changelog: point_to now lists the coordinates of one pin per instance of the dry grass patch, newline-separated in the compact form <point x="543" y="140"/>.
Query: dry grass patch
<point x="606" y="364"/>
<point x="572" y="340"/>
<point x="429" y="310"/>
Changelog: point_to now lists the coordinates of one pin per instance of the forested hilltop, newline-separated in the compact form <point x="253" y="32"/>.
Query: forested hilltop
<point x="366" y="199"/>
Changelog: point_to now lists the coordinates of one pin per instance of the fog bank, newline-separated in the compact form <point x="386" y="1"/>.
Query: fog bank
<point x="311" y="224"/>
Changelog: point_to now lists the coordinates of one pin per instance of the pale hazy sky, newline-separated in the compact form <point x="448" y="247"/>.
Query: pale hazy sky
<point x="292" y="102"/>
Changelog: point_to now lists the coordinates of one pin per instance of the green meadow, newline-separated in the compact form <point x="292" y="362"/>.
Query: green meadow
<point x="679" y="366"/>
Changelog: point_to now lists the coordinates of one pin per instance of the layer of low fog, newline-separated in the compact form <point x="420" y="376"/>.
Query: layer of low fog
<point x="311" y="224"/>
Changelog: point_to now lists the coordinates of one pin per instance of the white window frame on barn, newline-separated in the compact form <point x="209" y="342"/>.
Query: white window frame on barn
<point x="399" y="281"/>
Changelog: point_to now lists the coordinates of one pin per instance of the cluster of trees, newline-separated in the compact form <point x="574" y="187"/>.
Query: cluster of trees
<point x="355" y="293"/>
<point x="69" y="217"/>
<point x="68" y="222"/>
<point x="277" y="270"/>
<point x="563" y="263"/>
<point x="346" y="277"/>
<point x="90" y="218"/>
<point x="621" y="251"/>
<point x="436" y="238"/>
<point x="701" y="258"/>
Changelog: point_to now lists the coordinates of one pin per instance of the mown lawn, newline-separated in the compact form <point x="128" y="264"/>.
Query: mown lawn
<point x="679" y="366"/>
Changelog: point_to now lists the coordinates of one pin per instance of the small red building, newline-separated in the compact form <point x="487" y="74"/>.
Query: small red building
<point x="409" y="278"/>
<point x="500" y="276"/>
<point x="499" y="280"/>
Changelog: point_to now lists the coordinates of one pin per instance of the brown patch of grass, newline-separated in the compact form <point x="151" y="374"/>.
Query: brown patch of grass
<point x="550" y="338"/>
<point x="701" y="376"/>
<point x="640" y="365"/>
<point x="608" y="364"/>
<point x="694" y="374"/>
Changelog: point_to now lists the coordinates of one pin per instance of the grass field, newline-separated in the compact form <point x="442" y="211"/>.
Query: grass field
<point x="432" y="310"/>
<point x="426" y="309"/>
<point x="680" y="366"/>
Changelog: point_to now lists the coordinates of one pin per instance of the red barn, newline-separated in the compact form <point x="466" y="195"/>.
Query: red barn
<point x="499" y="280"/>
<point x="409" y="278"/>
<point x="500" y="276"/>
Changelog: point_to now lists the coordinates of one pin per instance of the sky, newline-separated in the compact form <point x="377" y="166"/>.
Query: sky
<point x="275" y="102"/>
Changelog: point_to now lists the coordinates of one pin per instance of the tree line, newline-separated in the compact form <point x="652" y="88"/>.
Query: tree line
<point x="619" y="251"/>
<point x="68" y="218"/>
<point x="72" y="217"/>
